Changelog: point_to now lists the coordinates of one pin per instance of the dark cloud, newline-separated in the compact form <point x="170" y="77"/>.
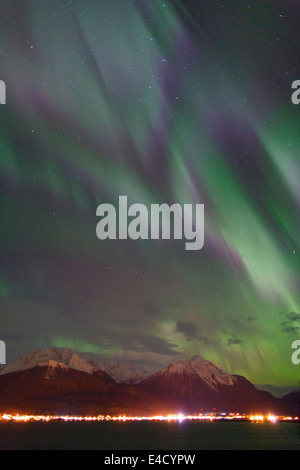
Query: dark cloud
<point x="233" y="339"/>
<point x="293" y="316"/>
<point x="240" y="322"/>
<point x="191" y="332"/>
<point x="188" y="329"/>
<point x="290" y="324"/>
<point x="290" y="329"/>
<point x="156" y="345"/>
<point x="207" y="341"/>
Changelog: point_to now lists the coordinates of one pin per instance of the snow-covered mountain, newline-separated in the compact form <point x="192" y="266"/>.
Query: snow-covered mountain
<point x="53" y="388"/>
<point x="123" y="372"/>
<point x="197" y="367"/>
<point x="66" y="357"/>
<point x="200" y="385"/>
<point x="120" y="372"/>
<point x="52" y="367"/>
<point x="60" y="381"/>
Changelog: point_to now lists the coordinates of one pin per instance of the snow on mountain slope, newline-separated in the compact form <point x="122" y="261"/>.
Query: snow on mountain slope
<point x="47" y="379"/>
<point x="200" y="385"/>
<point x="196" y="367"/>
<point x="61" y="356"/>
<point x="52" y="367"/>
<point x="123" y="373"/>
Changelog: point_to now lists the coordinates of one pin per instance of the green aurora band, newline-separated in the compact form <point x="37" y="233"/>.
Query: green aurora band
<point x="153" y="101"/>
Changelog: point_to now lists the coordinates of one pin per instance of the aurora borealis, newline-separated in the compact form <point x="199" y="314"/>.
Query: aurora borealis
<point x="183" y="102"/>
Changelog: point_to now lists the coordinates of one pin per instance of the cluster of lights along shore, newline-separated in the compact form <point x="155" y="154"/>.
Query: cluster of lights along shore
<point x="170" y="418"/>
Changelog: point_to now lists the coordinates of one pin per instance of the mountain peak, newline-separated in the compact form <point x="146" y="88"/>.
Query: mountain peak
<point x="109" y="371"/>
<point x="53" y="365"/>
<point x="48" y="378"/>
<point x="198" y="368"/>
<point x="200" y="360"/>
<point x="63" y="356"/>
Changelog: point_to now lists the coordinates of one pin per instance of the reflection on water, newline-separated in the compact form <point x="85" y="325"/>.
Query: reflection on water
<point x="150" y="435"/>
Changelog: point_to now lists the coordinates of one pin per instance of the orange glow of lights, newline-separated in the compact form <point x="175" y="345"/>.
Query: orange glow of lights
<point x="257" y="418"/>
<point x="272" y="419"/>
<point x="208" y="417"/>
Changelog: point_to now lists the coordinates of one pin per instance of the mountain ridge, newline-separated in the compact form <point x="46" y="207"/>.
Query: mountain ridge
<point x="61" y="355"/>
<point x="59" y="380"/>
<point x="122" y="372"/>
<point x="119" y="372"/>
<point x="199" y="384"/>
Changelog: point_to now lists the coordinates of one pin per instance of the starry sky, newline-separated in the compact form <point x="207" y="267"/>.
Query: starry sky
<point x="162" y="101"/>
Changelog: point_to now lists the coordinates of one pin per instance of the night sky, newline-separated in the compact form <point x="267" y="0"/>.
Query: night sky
<point x="162" y="101"/>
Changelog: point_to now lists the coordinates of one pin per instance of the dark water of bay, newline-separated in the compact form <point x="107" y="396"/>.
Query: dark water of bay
<point x="149" y="436"/>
